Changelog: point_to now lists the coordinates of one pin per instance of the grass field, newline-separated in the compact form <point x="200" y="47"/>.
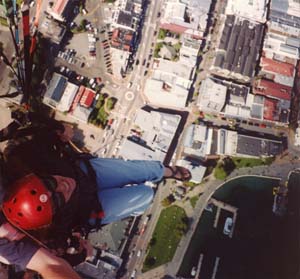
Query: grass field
<point x="224" y="168"/>
<point x="169" y="229"/>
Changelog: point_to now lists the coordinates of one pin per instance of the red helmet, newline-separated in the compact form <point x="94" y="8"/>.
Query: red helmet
<point x="28" y="205"/>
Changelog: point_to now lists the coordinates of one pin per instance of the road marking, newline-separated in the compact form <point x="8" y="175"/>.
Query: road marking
<point x="129" y="96"/>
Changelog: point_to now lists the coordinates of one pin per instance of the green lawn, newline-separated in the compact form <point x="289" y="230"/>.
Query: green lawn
<point x="219" y="172"/>
<point x="251" y="162"/>
<point x="169" y="229"/>
<point x="224" y="168"/>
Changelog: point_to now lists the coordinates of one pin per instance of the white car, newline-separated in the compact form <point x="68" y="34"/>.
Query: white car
<point x="228" y="226"/>
<point x="129" y="84"/>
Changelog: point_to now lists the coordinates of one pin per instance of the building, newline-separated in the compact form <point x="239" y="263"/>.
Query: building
<point x="239" y="48"/>
<point x="169" y="83"/>
<point x="122" y="39"/>
<point x="197" y="141"/>
<point x="197" y="170"/>
<point x="277" y="71"/>
<point x="81" y="107"/>
<point x="251" y="9"/>
<point x="157" y="131"/>
<point x="212" y="96"/>
<point x="284" y="18"/>
<point x="127" y="14"/>
<point x="182" y="16"/>
<point x="189" y="49"/>
<point x="269" y="103"/>
<point x="55" y="90"/>
<point x="59" y="9"/>
<point x="119" y="62"/>
<point x="103" y="265"/>
<point x="231" y="143"/>
<point x="111" y="237"/>
<point x="281" y="48"/>
<point x="52" y="30"/>
<point x="67" y="98"/>
<point x="272" y="90"/>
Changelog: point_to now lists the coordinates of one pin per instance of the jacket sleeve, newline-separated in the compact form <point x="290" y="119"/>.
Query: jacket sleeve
<point x="18" y="252"/>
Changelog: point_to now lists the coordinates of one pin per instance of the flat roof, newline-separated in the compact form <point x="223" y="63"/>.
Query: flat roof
<point x="212" y="95"/>
<point x="60" y="6"/>
<point x="278" y="67"/>
<point x="257" y="147"/>
<point x="56" y="87"/>
<point x="269" y="88"/>
<point x="270" y="109"/>
<point x="250" y="9"/>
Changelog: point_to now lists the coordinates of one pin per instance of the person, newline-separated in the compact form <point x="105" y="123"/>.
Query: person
<point x="53" y="191"/>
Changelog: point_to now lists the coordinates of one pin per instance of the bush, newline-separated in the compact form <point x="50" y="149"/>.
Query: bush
<point x="219" y="172"/>
<point x="162" y="34"/>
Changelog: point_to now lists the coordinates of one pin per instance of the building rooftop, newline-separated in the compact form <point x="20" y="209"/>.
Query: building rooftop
<point x="239" y="47"/>
<point x="87" y="96"/>
<point x="81" y="113"/>
<point x="198" y="140"/>
<point x="197" y="170"/>
<point x="271" y="89"/>
<point x="173" y="72"/>
<point x="52" y="30"/>
<point x="55" y="90"/>
<point x="160" y="93"/>
<point x="180" y="16"/>
<point x="278" y="67"/>
<point x="158" y="130"/>
<point x="122" y="39"/>
<point x="232" y="143"/>
<point x="270" y="109"/>
<point x="212" y="96"/>
<point x="258" y="147"/>
<point x="276" y="45"/>
<point x="67" y="97"/>
<point x="249" y="9"/>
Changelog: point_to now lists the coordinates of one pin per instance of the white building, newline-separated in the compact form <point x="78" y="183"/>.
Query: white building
<point x="212" y="96"/>
<point x="197" y="171"/>
<point x="157" y="132"/>
<point x="67" y="97"/>
<point x="282" y="48"/>
<point x="189" y="49"/>
<point x="285" y="17"/>
<point x="169" y="84"/>
<point x="197" y="141"/>
<point x="189" y="16"/>
<point x="119" y="59"/>
<point x="250" y="9"/>
<point x="81" y="113"/>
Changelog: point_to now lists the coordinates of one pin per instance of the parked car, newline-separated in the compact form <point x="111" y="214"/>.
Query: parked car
<point x="228" y="225"/>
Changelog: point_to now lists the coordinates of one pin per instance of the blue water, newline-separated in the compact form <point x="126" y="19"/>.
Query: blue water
<point x="253" y="196"/>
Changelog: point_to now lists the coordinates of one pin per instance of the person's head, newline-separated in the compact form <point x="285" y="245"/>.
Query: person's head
<point x="33" y="200"/>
